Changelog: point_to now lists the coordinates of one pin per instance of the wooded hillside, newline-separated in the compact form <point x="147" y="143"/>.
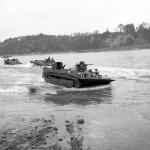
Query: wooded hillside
<point x="124" y="35"/>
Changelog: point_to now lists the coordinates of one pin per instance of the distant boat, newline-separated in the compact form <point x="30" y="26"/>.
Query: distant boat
<point x="79" y="77"/>
<point x="13" y="61"/>
<point x="47" y="62"/>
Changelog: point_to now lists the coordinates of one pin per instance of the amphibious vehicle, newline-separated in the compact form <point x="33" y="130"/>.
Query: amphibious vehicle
<point x="13" y="61"/>
<point x="78" y="77"/>
<point x="47" y="62"/>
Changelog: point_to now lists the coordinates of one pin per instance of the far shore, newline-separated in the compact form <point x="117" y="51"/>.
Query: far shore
<point x="118" y="48"/>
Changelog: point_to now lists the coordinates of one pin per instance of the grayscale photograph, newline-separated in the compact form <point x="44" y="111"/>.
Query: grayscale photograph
<point x="74" y="75"/>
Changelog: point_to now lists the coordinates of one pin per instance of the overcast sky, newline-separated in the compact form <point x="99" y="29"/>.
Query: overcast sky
<point x="27" y="17"/>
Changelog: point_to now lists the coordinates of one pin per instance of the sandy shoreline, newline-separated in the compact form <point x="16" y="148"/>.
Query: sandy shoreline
<point x="42" y="133"/>
<point x="117" y="127"/>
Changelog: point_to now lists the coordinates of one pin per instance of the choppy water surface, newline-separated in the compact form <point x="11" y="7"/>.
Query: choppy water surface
<point x="117" y="116"/>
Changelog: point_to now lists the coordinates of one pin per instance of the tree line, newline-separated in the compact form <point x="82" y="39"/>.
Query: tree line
<point x="123" y="35"/>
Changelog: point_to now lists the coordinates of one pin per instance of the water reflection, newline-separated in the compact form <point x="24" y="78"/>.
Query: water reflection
<point x="81" y="97"/>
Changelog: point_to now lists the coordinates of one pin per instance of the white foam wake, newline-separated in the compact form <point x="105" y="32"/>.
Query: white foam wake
<point x="137" y="74"/>
<point x="85" y="89"/>
<point x="27" y="65"/>
<point x="14" y="89"/>
<point x="24" y="65"/>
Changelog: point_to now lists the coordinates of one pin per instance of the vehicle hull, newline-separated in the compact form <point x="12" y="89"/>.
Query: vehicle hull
<point x="11" y="62"/>
<point x="69" y="81"/>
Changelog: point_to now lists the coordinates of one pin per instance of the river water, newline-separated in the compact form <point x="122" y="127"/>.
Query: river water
<point x="117" y="116"/>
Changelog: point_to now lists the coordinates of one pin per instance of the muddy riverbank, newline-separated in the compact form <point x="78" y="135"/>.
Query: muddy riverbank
<point x="42" y="134"/>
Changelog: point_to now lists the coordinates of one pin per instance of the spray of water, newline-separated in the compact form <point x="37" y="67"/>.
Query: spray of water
<point x="131" y="74"/>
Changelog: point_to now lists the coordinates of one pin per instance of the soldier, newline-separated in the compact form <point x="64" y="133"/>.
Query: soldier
<point x="96" y="72"/>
